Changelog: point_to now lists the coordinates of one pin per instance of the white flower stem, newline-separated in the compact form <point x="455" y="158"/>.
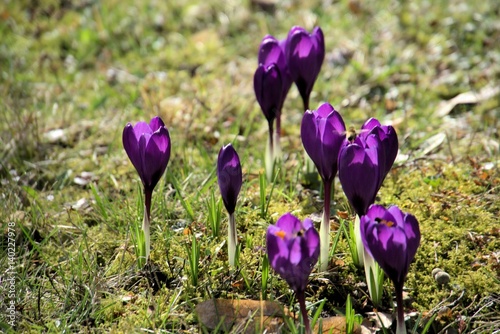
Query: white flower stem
<point x="277" y="154"/>
<point x="145" y="229"/>
<point x="359" y="243"/>
<point x="269" y="158"/>
<point x="232" y="240"/>
<point x="324" y="235"/>
<point x="374" y="279"/>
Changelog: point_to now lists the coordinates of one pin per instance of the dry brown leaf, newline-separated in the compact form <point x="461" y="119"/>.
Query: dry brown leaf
<point x="484" y="94"/>
<point x="262" y="313"/>
<point x="335" y="325"/>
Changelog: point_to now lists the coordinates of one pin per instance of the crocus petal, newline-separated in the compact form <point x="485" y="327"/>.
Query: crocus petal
<point x="140" y="129"/>
<point x="156" y="123"/>
<point x="295" y="251"/>
<point x="289" y="224"/>
<point x="312" y="237"/>
<point x="131" y="146"/>
<point x="370" y="124"/>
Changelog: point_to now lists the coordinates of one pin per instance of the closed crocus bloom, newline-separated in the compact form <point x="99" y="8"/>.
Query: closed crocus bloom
<point x="229" y="176"/>
<point x="293" y="249"/>
<point x="359" y="171"/>
<point x="305" y="53"/>
<point x="148" y="148"/>
<point x="268" y="87"/>
<point x="323" y="133"/>
<point x="392" y="238"/>
<point x="388" y="137"/>
<point x="271" y="51"/>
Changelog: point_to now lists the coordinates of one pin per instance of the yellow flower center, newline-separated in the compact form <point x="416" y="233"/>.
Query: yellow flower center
<point x="281" y="234"/>
<point x="387" y="222"/>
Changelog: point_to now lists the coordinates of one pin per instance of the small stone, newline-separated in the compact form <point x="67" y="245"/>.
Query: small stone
<point x="435" y="271"/>
<point x="442" y="278"/>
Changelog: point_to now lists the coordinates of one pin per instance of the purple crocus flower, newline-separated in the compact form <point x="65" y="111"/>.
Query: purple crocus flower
<point x="293" y="250"/>
<point x="323" y="133"/>
<point x="268" y="86"/>
<point x="392" y="238"/>
<point x="229" y="176"/>
<point x="305" y="53"/>
<point x="272" y="51"/>
<point x="148" y="148"/>
<point x="360" y="171"/>
<point x="364" y="162"/>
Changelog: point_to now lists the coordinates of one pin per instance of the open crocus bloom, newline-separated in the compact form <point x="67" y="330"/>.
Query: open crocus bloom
<point x="293" y="249"/>
<point x="392" y="238"/>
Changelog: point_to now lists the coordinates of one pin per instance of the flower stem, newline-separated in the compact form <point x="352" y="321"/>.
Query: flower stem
<point x="302" y="304"/>
<point x="232" y="241"/>
<point x="359" y="243"/>
<point x="401" y="327"/>
<point x="146" y="222"/>
<point x="269" y="158"/>
<point x="278" y="125"/>
<point x="305" y="101"/>
<point x="325" y="227"/>
<point x="277" y="155"/>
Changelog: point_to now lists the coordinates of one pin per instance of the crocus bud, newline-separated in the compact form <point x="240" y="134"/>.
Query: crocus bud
<point x="323" y="133"/>
<point x="148" y="148"/>
<point x="268" y="87"/>
<point x="229" y="176"/>
<point x="272" y="51"/>
<point x="392" y="238"/>
<point x="293" y="250"/>
<point x="305" y="54"/>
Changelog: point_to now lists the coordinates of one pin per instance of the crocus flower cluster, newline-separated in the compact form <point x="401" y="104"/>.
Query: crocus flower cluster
<point x="392" y="238"/>
<point x="148" y="148"/>
<point x="230" y="179"/>
<point x="293" y="250"/>
<point x="298" y="58"/>
<point x="362" y="160"/>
